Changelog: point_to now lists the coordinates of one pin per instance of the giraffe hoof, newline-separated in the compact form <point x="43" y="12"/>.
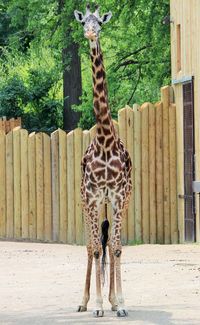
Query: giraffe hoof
<point x="122" y="313"/>
<point x="114" y="308"/>
<point x="81" y="308"/>
<point x="98" y="313"/>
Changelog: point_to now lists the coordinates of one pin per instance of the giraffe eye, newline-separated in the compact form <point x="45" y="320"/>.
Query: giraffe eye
<point x="83" y="23"/>
<point x="100" y="23"/>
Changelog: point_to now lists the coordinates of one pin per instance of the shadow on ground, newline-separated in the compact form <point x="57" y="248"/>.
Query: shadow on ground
<point x="143" y="316"/>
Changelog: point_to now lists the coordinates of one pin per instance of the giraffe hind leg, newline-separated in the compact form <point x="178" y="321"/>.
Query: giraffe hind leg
<point x="112" y="297"/>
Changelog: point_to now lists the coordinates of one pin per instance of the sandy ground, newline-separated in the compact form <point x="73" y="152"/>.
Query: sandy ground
<point x="43" y="284"/>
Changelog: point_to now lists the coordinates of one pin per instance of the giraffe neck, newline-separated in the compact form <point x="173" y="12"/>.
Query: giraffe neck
<point x="105" y="129"/>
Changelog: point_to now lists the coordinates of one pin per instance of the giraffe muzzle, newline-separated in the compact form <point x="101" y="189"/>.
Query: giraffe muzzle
<point x="90" y="35"/>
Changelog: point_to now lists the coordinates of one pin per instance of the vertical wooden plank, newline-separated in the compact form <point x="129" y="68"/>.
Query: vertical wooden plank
<point x="86" y="142"/>
<point x="7" y="126"/>
<point x="159" y="173"/>
<point x="55" y="185"/>
<point x="172" y="163"/>
<point x="39" y="186"/>
<point x="122" y="135"/>
<point x="70" y="188"/>
<point x="47" y="188"/>
<point x="78" y="176"/>
<point x="2" y="184"/>
<point x="32" y="186"/>
<point x="9" y="186"/>
<point x="145" y="171"/>
<point x="137" y="172"/>
<point x="165" y="92"/>
<point x="4" y="125"/>
<point x="11" y="124"/>
<point x="93" y="132"/>
<point x="24" y="183"/>
<point x="152" y="173"/>
<point x="63" y="185"/>
<point x="130" y="148"/>
<point x="17" y="183"/>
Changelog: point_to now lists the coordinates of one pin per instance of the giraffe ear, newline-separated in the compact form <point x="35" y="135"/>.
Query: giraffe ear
<point x="106" y="17"/>
<point x="78" y="15"/>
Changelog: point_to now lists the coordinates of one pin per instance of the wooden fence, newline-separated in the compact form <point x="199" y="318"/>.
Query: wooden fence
<point x="40" y="179"/>
<point x="8" y="125"/>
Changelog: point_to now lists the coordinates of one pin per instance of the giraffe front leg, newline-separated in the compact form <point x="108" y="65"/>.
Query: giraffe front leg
<point x="86" y="295"/>
<point x="97" y="251"/>
<point x="112" y="297"/>
<point x="117" y="250"/>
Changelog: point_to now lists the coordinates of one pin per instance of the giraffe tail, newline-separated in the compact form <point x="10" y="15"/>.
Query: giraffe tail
<point x="104" y="240"/>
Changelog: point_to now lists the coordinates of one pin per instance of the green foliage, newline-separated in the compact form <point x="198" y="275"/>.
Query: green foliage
<point x="33" y="33"/>
<point x="30" y="90"/>
<point x="13" y="97"/>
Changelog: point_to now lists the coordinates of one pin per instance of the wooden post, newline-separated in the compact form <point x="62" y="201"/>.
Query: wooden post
<point x="152" y="173"/>
<point x="11" y="124"/>
<point x="165" y="92"/>
<point x="145" y="171"/>
<point x="17" y="183"/>
<point x="32" y="185"/>
<point x="130" y="148"/>
<point x="159" y="173"/>
<point x="47" y="188"/>
<point x="9" y="186"/>
<point x="24" y="182"/>
<point x="63" y="185"/>
<point x="71" y="188"/>
<point x="40" y="186"/>
<point x="137" y="172"/>
<point x="93" y="132"/>
<point x="122" y="135"/>
<point x="3" y="126"/>
<point x="172" y="164"/>
<point x="2" y="184"/>
<point x="78" y="176"/>
<point x="55" y="185"/>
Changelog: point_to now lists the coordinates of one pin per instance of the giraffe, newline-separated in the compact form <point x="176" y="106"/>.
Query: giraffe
<point x="106" y="177"/>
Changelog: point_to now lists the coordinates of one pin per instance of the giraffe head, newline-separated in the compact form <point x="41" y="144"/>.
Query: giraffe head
<point x="92" y="22"/>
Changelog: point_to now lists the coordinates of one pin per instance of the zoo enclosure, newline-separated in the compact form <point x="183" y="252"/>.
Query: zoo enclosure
<point x="40" y="179"/>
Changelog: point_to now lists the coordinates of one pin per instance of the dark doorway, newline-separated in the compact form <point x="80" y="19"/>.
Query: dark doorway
<point x="189" y="165"/>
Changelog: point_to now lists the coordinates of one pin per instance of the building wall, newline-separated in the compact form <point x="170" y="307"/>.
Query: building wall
<point x="187" y="14"/>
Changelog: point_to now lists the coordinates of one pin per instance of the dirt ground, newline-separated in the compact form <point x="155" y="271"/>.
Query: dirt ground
<point x="43" y="284"/>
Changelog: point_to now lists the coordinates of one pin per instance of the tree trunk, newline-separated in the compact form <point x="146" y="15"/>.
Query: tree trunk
<point x="72" y="86"/>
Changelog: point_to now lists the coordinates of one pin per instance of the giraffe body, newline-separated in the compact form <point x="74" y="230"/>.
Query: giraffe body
<point x="106" y="176"/>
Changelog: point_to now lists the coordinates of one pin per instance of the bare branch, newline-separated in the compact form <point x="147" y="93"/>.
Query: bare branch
<point x="134" y="90"/>
<point x="136" y="52"/>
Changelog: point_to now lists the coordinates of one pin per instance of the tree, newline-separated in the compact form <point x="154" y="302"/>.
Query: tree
<point x="72" y="82"/>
